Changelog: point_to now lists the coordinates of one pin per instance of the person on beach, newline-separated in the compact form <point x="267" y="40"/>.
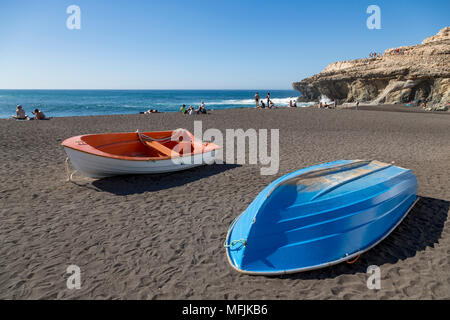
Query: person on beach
<point x="183" y="109"/>
<point x="201" y="109"/>
<point x="268" y="99"/>
<point x="190" y="110"/>
<point x="20" y="113"/>
<point x="357" y="105"/>
<point x="38" y="114"/>
<point x="291" y="105"/>
<point x="335" y="104"/>
<point x="257" y="99"/>
<point x="262" y="106"/>
<point x="295" y="104"/>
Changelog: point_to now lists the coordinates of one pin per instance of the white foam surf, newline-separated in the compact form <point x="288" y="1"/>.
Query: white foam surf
<point x="251" y="102"/>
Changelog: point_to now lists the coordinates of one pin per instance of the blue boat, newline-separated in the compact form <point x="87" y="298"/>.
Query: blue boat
<point x="320" y="216"/>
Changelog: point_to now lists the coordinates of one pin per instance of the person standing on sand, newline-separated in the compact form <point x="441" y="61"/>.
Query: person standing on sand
<point x="357" y="105"/>
<point x="257" y="99"/>
<point x="268" y="99"/>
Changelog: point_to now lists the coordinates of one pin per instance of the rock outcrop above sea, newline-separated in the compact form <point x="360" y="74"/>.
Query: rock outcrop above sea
<point x="401" y="75"/>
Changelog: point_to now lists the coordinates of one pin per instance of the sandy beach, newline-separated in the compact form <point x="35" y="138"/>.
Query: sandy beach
<point x="161" y="237"/>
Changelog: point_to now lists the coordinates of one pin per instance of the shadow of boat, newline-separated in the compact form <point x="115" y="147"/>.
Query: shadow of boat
<point x="422" y="228"/>
<point x="137" y="184"/>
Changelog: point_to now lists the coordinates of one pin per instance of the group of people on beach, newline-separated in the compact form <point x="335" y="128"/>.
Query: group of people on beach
<point x="270" y="105"/>
<point x="21" y="115"/>
<point x="191" y="110"/>
<point x="325" y="105"/>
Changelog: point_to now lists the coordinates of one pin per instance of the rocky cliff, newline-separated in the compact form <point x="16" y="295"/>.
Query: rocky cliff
<point x="400" y="75"/>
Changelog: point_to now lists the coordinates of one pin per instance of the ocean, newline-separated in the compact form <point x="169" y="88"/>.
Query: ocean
<point x="63" y="103"/>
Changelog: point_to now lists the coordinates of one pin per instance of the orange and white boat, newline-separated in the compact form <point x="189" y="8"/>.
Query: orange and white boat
<point x="110" y="154"/>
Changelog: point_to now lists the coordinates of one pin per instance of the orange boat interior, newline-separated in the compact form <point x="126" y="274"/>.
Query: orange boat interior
<point x="130" y="146"/>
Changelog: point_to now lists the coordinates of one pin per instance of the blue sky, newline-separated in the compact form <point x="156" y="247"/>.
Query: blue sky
<point x="197" y="44"/>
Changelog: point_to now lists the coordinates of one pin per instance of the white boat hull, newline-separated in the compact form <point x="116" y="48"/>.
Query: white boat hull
<point x="94" y="166"/>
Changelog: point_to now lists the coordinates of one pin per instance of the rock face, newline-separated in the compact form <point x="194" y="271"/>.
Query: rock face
<point x="400" y="75"/>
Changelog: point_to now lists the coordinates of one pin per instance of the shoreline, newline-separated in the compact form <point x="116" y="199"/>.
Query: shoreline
<point x="401" y="108"/>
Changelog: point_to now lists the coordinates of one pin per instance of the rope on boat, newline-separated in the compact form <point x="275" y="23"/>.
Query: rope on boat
<point x="235" y="242"/>
<point x="143" y="137"/>
<point x="354" y="260"/>
<point x="69" y="175"/>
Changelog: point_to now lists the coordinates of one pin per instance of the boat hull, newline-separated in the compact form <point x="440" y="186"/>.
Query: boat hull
<point x="94" y="166"/>
<point x="320" y="216"/>
<point x="111" y="154"/>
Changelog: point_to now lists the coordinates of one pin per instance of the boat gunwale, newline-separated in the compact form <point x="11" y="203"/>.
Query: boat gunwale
<point x="71" y="143"/>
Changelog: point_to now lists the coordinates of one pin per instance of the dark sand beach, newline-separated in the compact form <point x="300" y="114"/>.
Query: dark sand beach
<point x="161" y="237"/>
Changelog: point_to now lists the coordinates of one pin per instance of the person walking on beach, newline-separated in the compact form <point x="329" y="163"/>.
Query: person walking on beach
<point x="257" y="99"/>
<point x="357" y="105"/>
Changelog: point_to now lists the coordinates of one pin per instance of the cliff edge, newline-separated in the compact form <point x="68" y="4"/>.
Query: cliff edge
<point x="418" y="73"/>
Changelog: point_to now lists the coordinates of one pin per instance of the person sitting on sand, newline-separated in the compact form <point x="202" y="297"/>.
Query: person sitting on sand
<point x="151" y="111"/>
<point x="38" y="114"/>
<point x="294" y="105"/>
<point x="291" y="105"/>
<point x="20" y="113"/>
<point x="262" y="106"/>
<point x="190" y="110"/>
<point x="272" y="105"/>
<point x="201" y="109"/>
<point x="183" y="109"/>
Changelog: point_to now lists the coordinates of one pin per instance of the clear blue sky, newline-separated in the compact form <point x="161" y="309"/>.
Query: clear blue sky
<point x="227" y="44"/>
